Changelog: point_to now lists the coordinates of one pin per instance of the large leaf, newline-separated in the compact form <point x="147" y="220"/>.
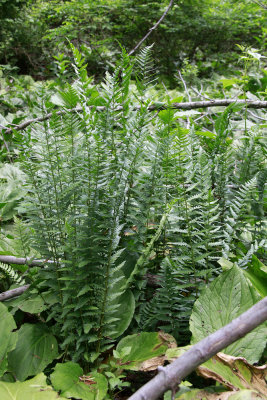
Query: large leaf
<point x="33" y="389"/>
<point x="67" y="378"/>
<point x="225" y="299"/>
<point x="11" y="190"/>
<point x="257" y="274"/>
<point x="124" y="313"/>
<point x="35" y="349"/>
<point x="143" y="351"/>
<point x="8" y="338"/>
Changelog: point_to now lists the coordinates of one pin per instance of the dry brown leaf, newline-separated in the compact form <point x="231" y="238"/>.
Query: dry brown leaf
<point x="236" y="373"/>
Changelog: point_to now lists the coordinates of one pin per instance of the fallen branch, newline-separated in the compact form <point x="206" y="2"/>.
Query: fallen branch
<point x="9" y="294"/>
<point x="170" y="377"/>
<point x="22" y="261"/>
<point x="151" y="29"/>
<point x="157" y="106"/>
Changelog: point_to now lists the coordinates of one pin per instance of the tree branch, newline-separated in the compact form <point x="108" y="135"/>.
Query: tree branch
<point x="9" y="294"/>
<point x="151" y="29"/>
<point x="22" y="261"/>
<point x="169" y="377"/>
<point x="153" y="107"/>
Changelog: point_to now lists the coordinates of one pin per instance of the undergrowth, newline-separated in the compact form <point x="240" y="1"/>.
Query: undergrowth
<point x="117" y="192"/>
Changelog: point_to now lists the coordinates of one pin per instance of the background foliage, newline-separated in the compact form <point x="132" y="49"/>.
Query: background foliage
<point x="205" y="32"/>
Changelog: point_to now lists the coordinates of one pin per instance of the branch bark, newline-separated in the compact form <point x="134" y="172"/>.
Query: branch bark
<point x="9" y="294"/>
<point x="169" y="377"/>
<point x="153" y="107"/>
<point x="22" y="261"/>
<point x="151" y="29"/>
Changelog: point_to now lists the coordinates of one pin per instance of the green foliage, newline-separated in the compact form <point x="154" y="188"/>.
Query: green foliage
<point x="35" y="388"/>
<point x="12" y="180"/>
<point x="133" y="350"/>
<point x="65" y="379"/>
<point x="225" y="299"/>
<point x="8" y="338"/>
<point x="205" y="32"/>
<point x="115" y="194"/>
<point x="36" y="348"/>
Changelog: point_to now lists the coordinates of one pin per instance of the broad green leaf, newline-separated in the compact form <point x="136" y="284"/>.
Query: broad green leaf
<point x="229" y="82"/>
<point x="124" y="313"/>
<point x="8" y="338"/>
<point x="225" y="299"/>
<point x="257" y="274"/>
<point x="35" y="349"/>
<point x="33" y="305"/>
<point x="147" y="350"/>
<point x="69" y="379"/>
<point x="33" y="389"/>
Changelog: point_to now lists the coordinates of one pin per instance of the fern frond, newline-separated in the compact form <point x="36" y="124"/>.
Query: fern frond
<point x="13" y="275"/>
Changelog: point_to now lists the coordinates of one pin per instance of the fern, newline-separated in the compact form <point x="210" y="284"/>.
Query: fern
<point x="13" y="275"/>
<point x="121" y="192"/>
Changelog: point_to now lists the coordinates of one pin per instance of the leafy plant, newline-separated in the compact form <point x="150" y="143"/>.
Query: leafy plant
<point x="116" y="194"/>
<point x="225" y="299"/>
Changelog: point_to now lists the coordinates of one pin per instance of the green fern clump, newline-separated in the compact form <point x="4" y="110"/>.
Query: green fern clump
<point x="87" y="170"/>
<point x="117" y="191"/>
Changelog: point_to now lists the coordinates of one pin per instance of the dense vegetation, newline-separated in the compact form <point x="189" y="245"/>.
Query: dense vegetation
<point x="142" y="225"/>
<point x="204" y="32"/>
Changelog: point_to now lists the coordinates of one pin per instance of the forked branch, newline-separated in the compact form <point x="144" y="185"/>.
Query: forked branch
<point x="152" y="29"/>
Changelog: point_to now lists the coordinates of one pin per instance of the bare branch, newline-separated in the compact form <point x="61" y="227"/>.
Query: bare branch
<point x="169" y="377"/>
<point x="9" y="294"/>
<point x="151" y="29"/>
<point x="22" y="261"/>
<point x="153" y="107"/>
<point x="185" y="87"/>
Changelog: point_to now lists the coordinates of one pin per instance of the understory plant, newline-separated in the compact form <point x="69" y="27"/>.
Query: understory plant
<point x="117" y="193"/>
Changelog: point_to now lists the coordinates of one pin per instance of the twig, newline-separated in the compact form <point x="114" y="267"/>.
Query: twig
<point x="151" y="29"/>
<point x="9" y="294"/>
<point x="188" y="95"/>
<point x="256" y="116"/>
<point x="200" y="94"/>
<point x="201" y="352"/>
<point x="185" y="87"/>
<point x="153" y="107"/>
